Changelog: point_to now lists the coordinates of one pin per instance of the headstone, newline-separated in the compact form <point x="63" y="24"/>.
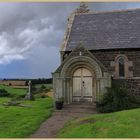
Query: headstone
<point x="29" y="95"/>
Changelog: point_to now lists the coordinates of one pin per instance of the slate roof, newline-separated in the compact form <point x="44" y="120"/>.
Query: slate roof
<point x="106" y="30"/>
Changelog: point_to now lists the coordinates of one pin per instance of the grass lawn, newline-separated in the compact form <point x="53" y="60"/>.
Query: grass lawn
<point x="123" y="124"/>
<point x="13" y="90"/>
<point x="48" y="86"/>
<point x="20" y="122"/>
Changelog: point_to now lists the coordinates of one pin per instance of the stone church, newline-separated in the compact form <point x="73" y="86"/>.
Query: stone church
<point x="98" y="47"/>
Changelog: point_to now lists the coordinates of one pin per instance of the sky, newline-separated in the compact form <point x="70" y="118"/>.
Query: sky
<point x="31" y="35"/>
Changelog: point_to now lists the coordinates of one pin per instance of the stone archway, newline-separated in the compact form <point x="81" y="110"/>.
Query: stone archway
<point x="63" y="78"/>
<point x="80" y="61"/>
<point x="70" y="69"/>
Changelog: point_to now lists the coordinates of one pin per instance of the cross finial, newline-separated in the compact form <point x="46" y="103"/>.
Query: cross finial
<point x="83" y="8"/>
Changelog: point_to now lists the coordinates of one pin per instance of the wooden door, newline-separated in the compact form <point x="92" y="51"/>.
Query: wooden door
<point x="82" y="85"/>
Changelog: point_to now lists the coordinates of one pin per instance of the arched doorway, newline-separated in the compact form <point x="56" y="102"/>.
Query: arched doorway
<point x="82" y="85"/>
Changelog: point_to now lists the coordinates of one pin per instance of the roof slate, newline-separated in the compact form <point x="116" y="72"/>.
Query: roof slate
<point x="110" y="30"/>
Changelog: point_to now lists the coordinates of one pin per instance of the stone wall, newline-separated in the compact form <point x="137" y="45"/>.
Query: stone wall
<point x="133" y="85"/>
<point x="107" y="56"/>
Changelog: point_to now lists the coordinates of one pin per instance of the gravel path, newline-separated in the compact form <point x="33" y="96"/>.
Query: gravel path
<point x="51" y="126"/>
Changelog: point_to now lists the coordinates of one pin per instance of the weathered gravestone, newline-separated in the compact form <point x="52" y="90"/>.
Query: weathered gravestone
<point x="29" y="95"/>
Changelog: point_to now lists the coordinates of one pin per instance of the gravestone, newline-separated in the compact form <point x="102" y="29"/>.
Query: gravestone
<point x="29" y="95"/>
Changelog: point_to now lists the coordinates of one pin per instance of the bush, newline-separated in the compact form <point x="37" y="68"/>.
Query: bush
<point x="117" y="98"/>
<point x="43" y="87"/>
<point x="17" y="97"/>
<point x="41" y="95"/>
<point x="33" y="89"/>
<point x="22" y="95"/>
<point x="10" y="84"/>
<point x="44" y="96"/>
<point x="4" y="93"/>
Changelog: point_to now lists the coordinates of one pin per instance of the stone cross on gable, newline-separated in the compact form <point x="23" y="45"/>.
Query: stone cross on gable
<point x="83" y="8"/>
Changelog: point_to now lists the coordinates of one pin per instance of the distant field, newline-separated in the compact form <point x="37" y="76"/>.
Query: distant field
<point x="13" y="82"/>
<point x="22" y="91"/>
<point x="12" y="90"/>
<point x="20" y="122"/>
<point x="22" y="87"/>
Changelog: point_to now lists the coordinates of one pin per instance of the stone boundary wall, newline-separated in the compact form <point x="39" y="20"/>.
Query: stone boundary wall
<point x="133" y="85"/>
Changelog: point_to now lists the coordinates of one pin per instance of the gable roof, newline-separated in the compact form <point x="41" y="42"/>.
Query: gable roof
<point x="106" y="30"/>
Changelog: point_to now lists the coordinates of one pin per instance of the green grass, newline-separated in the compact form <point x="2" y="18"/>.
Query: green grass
<point x="20" y="122"/>
<point x="123" y="124"/>
<point x="48" y="86"/>
<point x="12" y="90"/>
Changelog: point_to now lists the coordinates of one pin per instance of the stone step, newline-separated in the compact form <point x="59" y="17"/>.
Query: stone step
<point x="67" y="113"/>
<point x="81" y="103"/>
<point x="78" y="107"/>
<point x="76" y="110"/>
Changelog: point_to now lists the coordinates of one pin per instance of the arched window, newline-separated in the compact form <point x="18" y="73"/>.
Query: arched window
<point x="121" y="63"/>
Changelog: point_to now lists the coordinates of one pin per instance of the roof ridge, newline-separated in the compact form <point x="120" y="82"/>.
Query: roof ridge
<point x="104" y="12"/>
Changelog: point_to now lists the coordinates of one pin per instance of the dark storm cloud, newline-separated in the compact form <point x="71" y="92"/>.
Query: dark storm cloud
<point x="27" y="25"/>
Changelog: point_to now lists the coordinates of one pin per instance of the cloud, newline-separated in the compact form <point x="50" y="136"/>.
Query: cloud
<point x="28" y="25"/>
<point x="8" y="53"/>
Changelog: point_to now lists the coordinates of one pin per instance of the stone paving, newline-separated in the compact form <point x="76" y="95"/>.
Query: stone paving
<point x="51" y="126"/>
